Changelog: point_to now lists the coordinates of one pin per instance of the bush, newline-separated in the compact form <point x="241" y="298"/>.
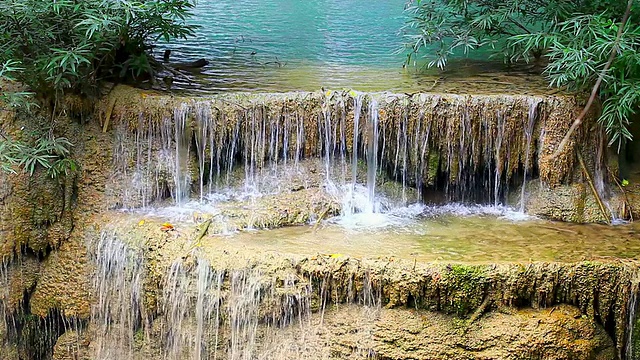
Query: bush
<point x="573" y="39"/>
<point x="74" y="45"/>
<point x="59" y="46"/>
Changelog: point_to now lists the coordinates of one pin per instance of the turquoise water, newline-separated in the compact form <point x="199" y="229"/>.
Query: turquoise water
<point x="286" y="45"/>
<point x="296" y="32"/>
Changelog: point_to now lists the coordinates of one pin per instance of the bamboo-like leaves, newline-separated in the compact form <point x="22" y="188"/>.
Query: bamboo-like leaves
<point x="72" y="45"/>
<point x="575" y="38"/>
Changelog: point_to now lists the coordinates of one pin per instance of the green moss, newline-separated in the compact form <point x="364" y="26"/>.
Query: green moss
<point x="465" y="288"/>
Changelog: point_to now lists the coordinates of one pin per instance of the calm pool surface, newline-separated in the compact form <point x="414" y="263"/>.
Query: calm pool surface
<point x="288" y="45"/>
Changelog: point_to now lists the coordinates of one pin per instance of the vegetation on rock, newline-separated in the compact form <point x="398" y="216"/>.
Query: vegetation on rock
<point x="61" y="47"/>
<point x="74" y="45"/>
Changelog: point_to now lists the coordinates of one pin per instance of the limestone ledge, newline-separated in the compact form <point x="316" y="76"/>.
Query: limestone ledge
<point x="600" y="291"/>
<point x="424" y="139"/>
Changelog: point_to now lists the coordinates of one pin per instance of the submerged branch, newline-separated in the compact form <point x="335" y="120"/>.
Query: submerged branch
<point x="480" y="310"/>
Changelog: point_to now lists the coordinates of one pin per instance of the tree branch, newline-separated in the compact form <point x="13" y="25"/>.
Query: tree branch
<point x="518" y="24"/>
<point x="594" y="91"/>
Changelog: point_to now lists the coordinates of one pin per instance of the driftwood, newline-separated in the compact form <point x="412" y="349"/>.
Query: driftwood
<point x="479" y="311"/>
<point x="626" y="204"/>
<point x="107" y="118"/>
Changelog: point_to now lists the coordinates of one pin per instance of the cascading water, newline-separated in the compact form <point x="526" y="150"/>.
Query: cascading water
<point x="355" y="197"/>
<point x="207" y="307"/>
<point x="372" y="156"/>
<point x="468" y="147"/>
<point x="117" y="312"/>
<point x="182" y="138"/>
<point x="349" y="208"/>
<point x="632" y="352"/>
<point x="203" y="312"/>
<point x="528" y="133"/>
<point x="498" y="165"/>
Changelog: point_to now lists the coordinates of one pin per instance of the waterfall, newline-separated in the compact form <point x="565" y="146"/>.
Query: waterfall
<point x="633" y="319"/>
<point x="468" y="147"/>
<point x="354" y="200"/>
<point x="203" y="312"/>
<point x="350" y="209"/>
<point x="182" y="138"/>
<point x="117" y="312"/>
<point x="372" y="156"/>
<point x="204" y="137"/>
<point x="175" y="307"/>
<point x="498" y="156"/>
<point x="529" y="125"/>
<point x="209" y="285"/>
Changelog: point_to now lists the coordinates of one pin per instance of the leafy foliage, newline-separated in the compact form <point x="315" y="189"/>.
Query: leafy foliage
<point x="49" y="152"/>
<point x="8" y="156"/>
<point x="12" y="99"/>
<point x="66" y="45"/>
<point x="573" y="39"/>
<point x="59" y="46"/>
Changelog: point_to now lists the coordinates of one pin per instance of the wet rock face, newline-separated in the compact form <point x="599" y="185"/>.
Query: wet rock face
<point x="241" y="303"/>
<point x="474" y="146"/>
<point x="569" y="203"/>
<point x="160" y="148"/>
<point x="576" y="204"/>
<point x="43" y="278"/>
<point x="358" y="332"/>
<point x="352" y="332"/>
<point x="72" y="345"/>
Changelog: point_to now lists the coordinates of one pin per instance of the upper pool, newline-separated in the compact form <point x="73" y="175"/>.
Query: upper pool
<point x="288" y="45"/>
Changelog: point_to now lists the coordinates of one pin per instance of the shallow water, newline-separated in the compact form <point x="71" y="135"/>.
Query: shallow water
<point x="469" y="239"/>
<point x="469" y="234"/>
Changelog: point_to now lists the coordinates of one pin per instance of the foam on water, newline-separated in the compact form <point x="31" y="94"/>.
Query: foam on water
<point x="457" y="209"/>
<point x="407" y="218"/>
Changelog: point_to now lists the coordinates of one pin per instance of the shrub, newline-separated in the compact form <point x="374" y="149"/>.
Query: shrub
<point x="574" y="39"/>
<point x="73" y="45"/>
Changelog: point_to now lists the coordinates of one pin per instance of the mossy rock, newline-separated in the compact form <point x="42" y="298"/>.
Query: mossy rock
<point x="64" y="282"/>
<point x="73" y="345"/>
<point x="569" y="203"/>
